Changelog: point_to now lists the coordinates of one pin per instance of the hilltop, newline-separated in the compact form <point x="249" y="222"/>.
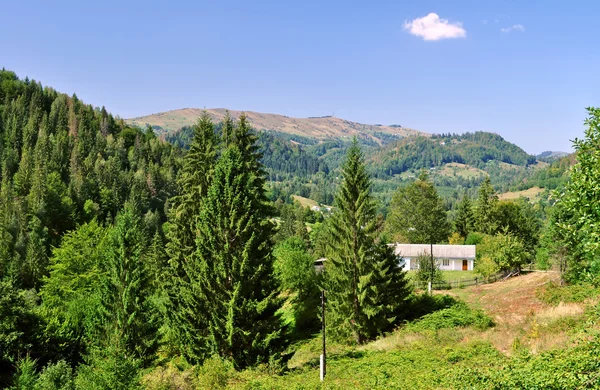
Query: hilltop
<point x="324" y="127"/>
<point x="550" y="156"/>
<point x="474" y="149"/>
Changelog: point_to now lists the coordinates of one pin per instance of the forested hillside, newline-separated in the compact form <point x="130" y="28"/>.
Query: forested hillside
<point x="309" y="167"/>
<point x="133" y="261"/>
<point x="64" y="163"/>
<point x="474" y="149"/>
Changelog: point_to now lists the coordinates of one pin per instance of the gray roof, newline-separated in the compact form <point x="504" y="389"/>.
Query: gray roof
<point x="463" y="252"/>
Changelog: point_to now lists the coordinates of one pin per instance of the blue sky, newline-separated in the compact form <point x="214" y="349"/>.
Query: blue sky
<point x="372" y="62"/>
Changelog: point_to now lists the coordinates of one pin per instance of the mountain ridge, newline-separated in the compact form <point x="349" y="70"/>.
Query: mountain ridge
<point x="323" y="127"/>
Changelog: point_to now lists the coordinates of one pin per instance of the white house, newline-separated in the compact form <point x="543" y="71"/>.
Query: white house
<point x="449" y="257"/>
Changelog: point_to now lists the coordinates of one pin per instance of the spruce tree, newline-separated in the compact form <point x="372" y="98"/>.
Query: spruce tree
<point x="464" y="216"/>
<point x="232" y="270"/>
<point x="364" y="286"/>
<point x="484" y="209"/>
<point x="131" y="323"/>
<point x="185" y="312"/>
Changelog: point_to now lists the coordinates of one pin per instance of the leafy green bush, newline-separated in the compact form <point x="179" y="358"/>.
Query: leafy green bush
<point x="421" y="304"/>
<point x="426" y="269"/>
<point x="504" y="249"/>
<point x="553" y="294"/>
<point x="458" y="315"/>
<point x="474" y="238"/>
<point x="58" y="376"/>
<point x="486" y="266"/>
<point x="572" y="368"/>
<point x="214" y="374"/>
<point x="170" y="377"/>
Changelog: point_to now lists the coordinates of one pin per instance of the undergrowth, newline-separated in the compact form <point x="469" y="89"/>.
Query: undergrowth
<point x="553" y="294"/>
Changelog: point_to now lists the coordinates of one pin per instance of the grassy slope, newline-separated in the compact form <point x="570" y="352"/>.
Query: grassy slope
<point x="531" y="193"/>
<point x="448" y="358"/>
<point x="317" y="127"/>
<point x="305" y="202"/>
<point x="462" y="170"/>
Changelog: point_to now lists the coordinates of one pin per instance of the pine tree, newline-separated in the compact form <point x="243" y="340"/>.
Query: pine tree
<point x="361" y="275"/>
<point x="485" y="205"/>
<point x="232" y="269"/>
<point x="131" y="323"/>
<point x="184" y="314"/>
<point x="36" y="258"/>
<point x="227" y="129"/>
<point x="193" y="180"/>
<point x="464" y="216"/>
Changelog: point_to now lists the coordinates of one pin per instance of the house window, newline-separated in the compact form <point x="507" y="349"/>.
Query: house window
<point x="445" y="262"/>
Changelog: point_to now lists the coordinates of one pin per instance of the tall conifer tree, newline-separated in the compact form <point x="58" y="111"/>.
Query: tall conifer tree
<point x="485" y="207"/>
<point x="185" y="312"/>
<point x="464" y="216"/>
<point x="131" y="325"/>
<point x="233" y="265"/>
<point x="364" y="285"/>
<point x="193" y="180"/>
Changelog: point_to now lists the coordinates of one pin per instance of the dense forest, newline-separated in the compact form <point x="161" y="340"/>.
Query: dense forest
<point x="130" y="261"/>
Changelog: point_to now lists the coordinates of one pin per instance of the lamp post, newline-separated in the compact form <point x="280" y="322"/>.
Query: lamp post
<point x="432" y="266"/>
<point x="323" y="355"/>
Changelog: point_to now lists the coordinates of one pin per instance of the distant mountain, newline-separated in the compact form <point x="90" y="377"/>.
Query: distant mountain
<point x="474" y="149"/>
<point x="325" y="127"/>
<point x="302" y="156"/>
<point x="551" y="156"/>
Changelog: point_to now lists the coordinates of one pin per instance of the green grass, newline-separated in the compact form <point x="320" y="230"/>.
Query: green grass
<point x="305" y="202"/>
<point x="454" y="347"/>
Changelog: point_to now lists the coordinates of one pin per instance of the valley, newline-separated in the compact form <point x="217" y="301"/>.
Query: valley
<point x="130" y="254"/>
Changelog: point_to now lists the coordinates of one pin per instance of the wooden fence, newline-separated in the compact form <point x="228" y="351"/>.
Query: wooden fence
<point x="459" y="283"/>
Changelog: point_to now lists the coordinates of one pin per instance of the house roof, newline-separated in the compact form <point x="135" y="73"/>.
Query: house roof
<point x="465" y="252"/>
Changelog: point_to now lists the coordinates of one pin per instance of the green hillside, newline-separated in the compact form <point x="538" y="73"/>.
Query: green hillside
<point x="308" y="167"/>
<point x="187" y="260"/>
<point x="474" y="149"/>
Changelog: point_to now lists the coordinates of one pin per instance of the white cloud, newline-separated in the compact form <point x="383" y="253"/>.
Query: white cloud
<point x="515" y="27"/>
<point x="432" y="28"/>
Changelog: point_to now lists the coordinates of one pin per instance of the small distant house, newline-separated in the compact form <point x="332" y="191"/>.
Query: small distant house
<point x="449" y="257"/>
<point x="315" y="208"/>
<point x="319" y="264"/>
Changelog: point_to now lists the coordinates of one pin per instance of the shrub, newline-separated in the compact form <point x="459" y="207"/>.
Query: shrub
<point x="58" y="376"/>
<point x="424" y="269"/>
<point x="25" y="376"/>
<point x="458" y="315"/>
<point x="474" y="238"/>
<point x="170" y="377"/>
<point x="486" y="267"/>
<point x="422" y="304"/>
<point x="553" y="294"/>
<point x="214" y="374"/>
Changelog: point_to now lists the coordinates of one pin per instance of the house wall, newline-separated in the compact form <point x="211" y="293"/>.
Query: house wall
<point x="455" y="265"/>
